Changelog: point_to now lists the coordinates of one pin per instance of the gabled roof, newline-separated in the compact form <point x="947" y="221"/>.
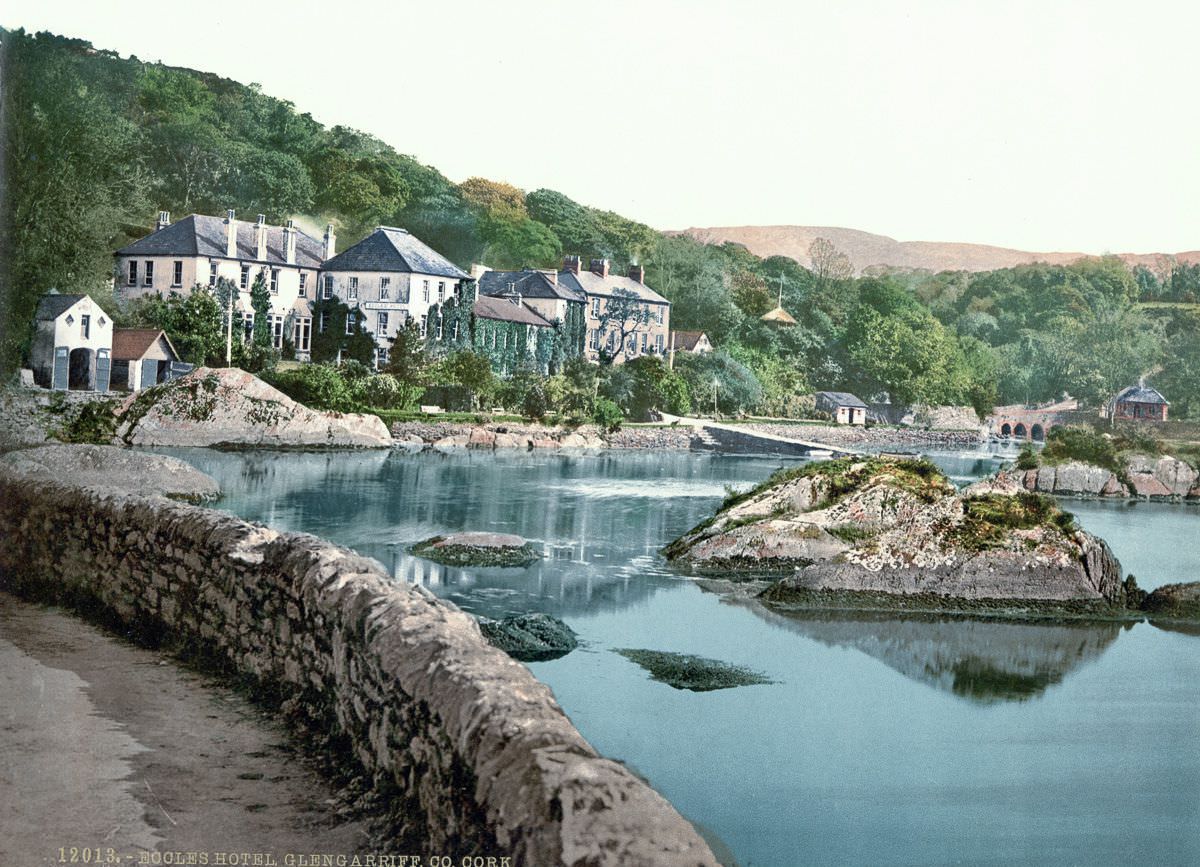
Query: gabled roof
<point x="52" y="306"/>
<point x="391" y="249"/>
<point x="1141" y="394"/>
<point x="506" y="311"/>
<point x="686" y="340"/>
<point x="840" y="398"/>
<point x="201" y="235"/>
<point x="130" y="344"/>
<point x="530" y="283"/>
<point x="592" y="283"/>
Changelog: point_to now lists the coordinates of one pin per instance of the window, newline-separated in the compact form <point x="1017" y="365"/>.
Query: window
<point x="645" y="340"/>
<point x="323" y="322"/>
<point x="632" y="344"/>
<point x="441" y="291"/>
<point x="612" y="341"/>
<point x="505" y="340"/>
<point x="132" y="281"/>
<point x="595" y="308"/>
<point x="275" y="281"/>
<point x="658" y="343"/>
<point x="176" y="273"/>
<point x="351" y="319"/>
<point x="244" y="282"/>
<point x="381" y="356"/>
<point x="303" y="284"/>
<point x="658" y="315"/>
<point x="425" y="317"/>
<point x="212" y="273"/>
<point x="594" y="338"/>
<point x="276" y="321"/>
<point x="382" y="323"/>
<point x="302" y="333"/>
<point x="85" y="327"/>
<point x="148" y="275"/>
<point x="385" y="288"/>
<point x="327" y="290"/>
<point x="248" y="324"/>
<point x="352" y="289"/>
<point x="425" y="288"/>
<point x="439" y="328"/>
<point x="454" y="331"/>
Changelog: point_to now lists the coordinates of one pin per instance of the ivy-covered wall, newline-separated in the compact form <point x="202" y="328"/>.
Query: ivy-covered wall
<point x="329" y="333"/>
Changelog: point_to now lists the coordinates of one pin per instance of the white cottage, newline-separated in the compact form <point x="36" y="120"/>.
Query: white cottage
<point x="72" y="344"/>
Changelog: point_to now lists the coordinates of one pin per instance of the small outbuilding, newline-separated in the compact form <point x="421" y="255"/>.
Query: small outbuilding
<point x="695" y="342"/>
<point x="142" y="357"/>
<point x="72" y="343"/>
<point x="1139" y="403"/>
<point x="844" y="407"/>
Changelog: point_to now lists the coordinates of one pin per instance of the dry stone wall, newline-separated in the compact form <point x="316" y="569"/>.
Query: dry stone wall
<point x="471" y="752"/>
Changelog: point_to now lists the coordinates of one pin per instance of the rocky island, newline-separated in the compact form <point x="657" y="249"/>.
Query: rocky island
<point x="897" y="534"/>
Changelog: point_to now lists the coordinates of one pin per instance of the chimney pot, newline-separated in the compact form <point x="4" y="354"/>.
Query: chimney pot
<point x="289" y="243"/>
<point x="600" y="267"/>
<point x="637" y="273"/>
<point x="330" y="242"/>
<point x="164" y="220"/>
<point x="230" y="235"/>
<point x="572" y="264"/>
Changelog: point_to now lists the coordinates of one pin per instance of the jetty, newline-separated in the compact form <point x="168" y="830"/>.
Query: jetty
<point x="714" y="436"/>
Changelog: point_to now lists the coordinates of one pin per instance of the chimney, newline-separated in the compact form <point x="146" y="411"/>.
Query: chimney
<point x="478" y="270"/>
<point x="600" y="267"/>
<point x="230" y="235"/>
<point x="164" y="220"/>
<point x="572" y="264"/>
<point x="637" y="273"/>
<point x="260" y="238"/>
<point x="330" y="242"/>
<point x="289" y="242"/>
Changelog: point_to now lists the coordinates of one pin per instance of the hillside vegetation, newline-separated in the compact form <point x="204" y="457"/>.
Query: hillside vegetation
<point x="95" y="144"/>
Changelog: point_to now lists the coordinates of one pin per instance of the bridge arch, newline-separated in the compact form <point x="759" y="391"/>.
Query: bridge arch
<point x="1020" y="431"/>
<point x="1037" y="433"/>
<point x="1006" y="430"/>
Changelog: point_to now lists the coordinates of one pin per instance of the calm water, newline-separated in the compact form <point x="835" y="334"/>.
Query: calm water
<point x="885" y="740"/>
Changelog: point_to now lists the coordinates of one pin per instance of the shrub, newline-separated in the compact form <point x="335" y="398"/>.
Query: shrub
<point x="607" y="415"/>
<point x="1081" y="443"/>
<point x="317" y="386"/>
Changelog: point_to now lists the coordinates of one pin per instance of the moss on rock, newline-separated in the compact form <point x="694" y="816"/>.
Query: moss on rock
<point x="695" y="673"/>
<point x="478" y="549"/>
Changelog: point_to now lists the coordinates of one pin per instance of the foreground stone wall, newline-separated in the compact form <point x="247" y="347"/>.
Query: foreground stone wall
<point x="471" y="752"/>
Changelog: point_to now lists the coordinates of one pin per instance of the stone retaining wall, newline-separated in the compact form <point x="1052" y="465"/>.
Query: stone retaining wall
<point x="472" y="754"/>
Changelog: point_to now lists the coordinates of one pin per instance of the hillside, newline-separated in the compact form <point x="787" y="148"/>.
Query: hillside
<point x="866" y="249"/>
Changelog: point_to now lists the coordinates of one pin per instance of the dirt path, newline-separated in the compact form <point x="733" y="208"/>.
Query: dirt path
<point x="105" y="745"/>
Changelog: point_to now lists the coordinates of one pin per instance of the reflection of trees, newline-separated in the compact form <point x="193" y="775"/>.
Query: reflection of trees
<point x="982" y="660"/>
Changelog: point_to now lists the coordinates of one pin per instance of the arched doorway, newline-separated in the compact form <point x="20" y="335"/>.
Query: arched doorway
<point x="1037" y="433"/>
<point x="82" y="376"/>
<point x="1006" y="430"/>
<point x="1019" y="431"/>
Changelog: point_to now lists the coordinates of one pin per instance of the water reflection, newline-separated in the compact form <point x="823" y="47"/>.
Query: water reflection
<point x="985" y="661"/>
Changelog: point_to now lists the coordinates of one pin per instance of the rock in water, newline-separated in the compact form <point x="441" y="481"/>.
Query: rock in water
<point x="478" y="549"/>
<point x="882" y="532"/>
<point x="695" y="673"/>
<point x="113" y="468"/>
<point x="1174" y="601"/>
<point x="530" y="637"/>
<point x="229" y="407"/>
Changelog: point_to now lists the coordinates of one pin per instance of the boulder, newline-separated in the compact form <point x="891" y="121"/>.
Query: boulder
<point x="543" y="443"/>
<point x="1177" y="476"/>
<point x="573" y="441"/>
<point x="456" y="441"/>
<point x="1075" y="477"/>
<point x="509" y="441"/>
<point x="1148" y="485"/>
<point x="229" y="407"/>
<point x="478" y="549"/>
<point x="890" y="529"/>
<point x="112" y="468"/>
<point x="481" y="438"/>
<point x="530" y="637"/>
<point x="1174" y="601"/>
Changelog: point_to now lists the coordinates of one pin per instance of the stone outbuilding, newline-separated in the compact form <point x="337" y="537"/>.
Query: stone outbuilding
<point x="72" y="344"/>
<point x="844" y="407"/>
<point x="142" y="357"/>
<point x="1139" y="403"/>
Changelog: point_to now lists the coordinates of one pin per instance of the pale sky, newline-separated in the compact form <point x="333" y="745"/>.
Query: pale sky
<point x="1038" y="125"/>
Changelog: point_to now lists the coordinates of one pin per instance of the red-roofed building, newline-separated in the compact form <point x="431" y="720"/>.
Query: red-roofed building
<point x="141" y="357"/>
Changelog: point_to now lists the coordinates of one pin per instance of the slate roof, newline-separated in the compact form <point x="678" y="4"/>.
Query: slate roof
<point x="1141" y="394"/>
<point x="390" y="249"/>
<point x="686" y="340"/>
<point x="593" y="284"/>
<point x="530" y="283"/>
<point x="840" y="398"/>
<point x="130" y="344"/>
<point x="201" y="235"/>
<point x="50" y="307"/>
<point x="506" y="311"/>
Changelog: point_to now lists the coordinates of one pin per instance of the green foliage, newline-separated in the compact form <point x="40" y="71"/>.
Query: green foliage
<point x="470" y="371"/>
<point x="607" y="415"/>
<point x="317" y="386"/>
<point x="1081" y="443"/>
<point x="651" y="385"/>
<point x="260" y="303"/>
<point x="717" y="376"/>
<point x="195" y="323"/>
<point x="988" y="520"/>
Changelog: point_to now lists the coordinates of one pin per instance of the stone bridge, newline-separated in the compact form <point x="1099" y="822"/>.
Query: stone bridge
<point x="1033" y="424"/>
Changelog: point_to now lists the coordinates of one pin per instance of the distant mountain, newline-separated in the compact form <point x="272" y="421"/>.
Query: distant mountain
<point x="866" y="249"/>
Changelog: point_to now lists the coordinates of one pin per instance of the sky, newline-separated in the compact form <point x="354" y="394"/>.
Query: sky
<point x="1046" y="126"/>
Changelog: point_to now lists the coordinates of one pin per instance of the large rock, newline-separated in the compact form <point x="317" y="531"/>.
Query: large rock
<point x="1074" y="478"/>
<point x="530" y="637"/>
<point x="112" y="468"/>
<point x="478" y="549"/>
<point x="895" y="529"/>
<point x="1174" y="601"/>
<point x="229" y="407"/>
